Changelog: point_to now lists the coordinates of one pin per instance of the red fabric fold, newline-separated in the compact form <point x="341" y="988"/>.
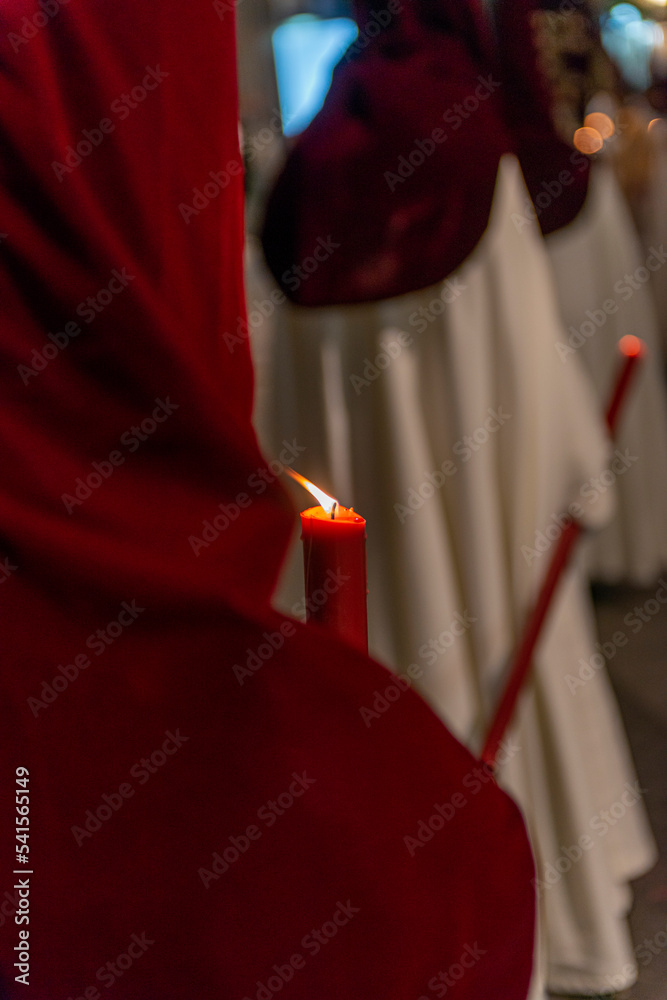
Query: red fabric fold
<point x="141" y="533"/>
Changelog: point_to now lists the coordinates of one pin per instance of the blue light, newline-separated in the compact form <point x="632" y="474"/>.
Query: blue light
<point x="306" y="49"/>
<point x="630" y="39"/>
<point x="625" y="13"/>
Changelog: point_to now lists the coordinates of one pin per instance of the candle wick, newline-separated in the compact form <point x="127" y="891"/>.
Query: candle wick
<point x="333" y="511"/>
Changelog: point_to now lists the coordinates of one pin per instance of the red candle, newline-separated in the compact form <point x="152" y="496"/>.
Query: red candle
<point x="334" y="562"/>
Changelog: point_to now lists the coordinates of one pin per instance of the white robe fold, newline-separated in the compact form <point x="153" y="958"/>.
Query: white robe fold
<point x="603" y="281"/>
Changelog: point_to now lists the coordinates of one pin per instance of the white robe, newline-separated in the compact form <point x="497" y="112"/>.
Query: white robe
<point x="380" y="404"/>
<point x="605" y="291"/>
<point x="651" y="211"/>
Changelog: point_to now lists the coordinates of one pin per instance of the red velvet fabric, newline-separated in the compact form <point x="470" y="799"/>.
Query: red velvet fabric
<point x="556" y="174"/>
<point x="132" y="632"/>
<point x="398" y="168"/>
<point x="394" y="168"/>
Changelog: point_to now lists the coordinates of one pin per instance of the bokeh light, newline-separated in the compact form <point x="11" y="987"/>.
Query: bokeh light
<point x="631" y="346"/>
<point x="588" y="140"/>
<point x="601" y="123"/>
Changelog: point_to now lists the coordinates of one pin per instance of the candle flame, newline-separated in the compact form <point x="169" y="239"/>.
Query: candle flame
<point x="328" y="503"/>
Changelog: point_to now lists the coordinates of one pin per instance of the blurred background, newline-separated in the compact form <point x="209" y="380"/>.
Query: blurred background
<point x="604" y="68"/>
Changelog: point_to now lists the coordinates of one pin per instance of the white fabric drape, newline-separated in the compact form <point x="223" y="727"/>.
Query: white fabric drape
<point x="603" y="281"/>
<point x="466" y="411"/>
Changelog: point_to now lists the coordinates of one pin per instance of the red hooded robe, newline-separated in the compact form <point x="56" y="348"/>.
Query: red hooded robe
<point x="197" y="828"/>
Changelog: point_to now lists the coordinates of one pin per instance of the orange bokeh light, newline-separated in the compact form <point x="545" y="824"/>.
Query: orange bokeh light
<point x="631" y="346"/>
<point x="588" y="140"/>
<point x="601" y="123"/>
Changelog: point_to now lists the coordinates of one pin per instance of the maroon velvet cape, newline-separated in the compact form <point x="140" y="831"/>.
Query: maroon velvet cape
<point x="556" y="174"/>
<point x="398" y="168"/>
<point x="154" y="750"/>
